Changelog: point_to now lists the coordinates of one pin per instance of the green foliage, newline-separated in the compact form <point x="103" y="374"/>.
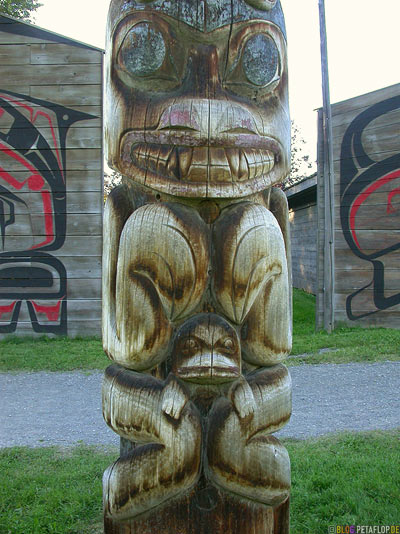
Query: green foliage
<point x="21" y="9"/>
<point x="350" y="478"/>
<point x="300" y="164"/>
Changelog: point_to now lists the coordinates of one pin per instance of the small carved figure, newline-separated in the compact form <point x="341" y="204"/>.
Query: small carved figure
<point x="196" y="273"/>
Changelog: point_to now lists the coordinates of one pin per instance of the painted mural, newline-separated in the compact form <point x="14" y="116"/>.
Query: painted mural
<point x="370" y="192"/>
<point x="33" y="214"/>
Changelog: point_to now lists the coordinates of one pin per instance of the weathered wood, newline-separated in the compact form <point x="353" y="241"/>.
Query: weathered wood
<point x="58" y="54"/>
<point x="15" y="54"/>
<point x="303" y="229"/>
<point x="74" y="329"/>
<point x="51" y="176"/>
<point x="367" y="214"/>
<point x="82" y="136"/>
<point x="208" y="505"/>
<point x="71" y="95"/>
<point x="77" y="203"/>
<point x="80" y="74"/>
<point x="196" y="268"/>
<point x="329" y="181"/>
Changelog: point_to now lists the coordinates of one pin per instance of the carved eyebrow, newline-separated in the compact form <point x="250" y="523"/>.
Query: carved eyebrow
<point x="264" y="5"/>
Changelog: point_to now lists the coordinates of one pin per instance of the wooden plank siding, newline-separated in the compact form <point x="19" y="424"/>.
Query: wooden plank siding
<point x="51" y="183"/>
<point x="366" y="146"/>
<point x="303" y="234"/>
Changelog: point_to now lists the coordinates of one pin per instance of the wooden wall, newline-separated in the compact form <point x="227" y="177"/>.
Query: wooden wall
<point x="51" y="177"/>
<point x="302" y="201"/>
<point x="366" y="147"/>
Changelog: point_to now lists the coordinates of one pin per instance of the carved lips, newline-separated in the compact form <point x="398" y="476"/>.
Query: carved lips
<point x="202" y="148"/>
<point x="202" y="164"/>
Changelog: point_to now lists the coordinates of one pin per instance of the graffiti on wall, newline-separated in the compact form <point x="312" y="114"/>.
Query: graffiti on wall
<point x="33" y="211"/>
<point x="370" y="198"/>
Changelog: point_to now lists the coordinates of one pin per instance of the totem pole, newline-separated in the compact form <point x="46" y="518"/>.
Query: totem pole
<point x="196" y="283"/>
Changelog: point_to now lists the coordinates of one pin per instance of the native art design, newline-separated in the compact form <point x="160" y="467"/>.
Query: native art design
<point x="196" y="271"/>
<point x="33" y="211"/>
<point x="366" y="183"/>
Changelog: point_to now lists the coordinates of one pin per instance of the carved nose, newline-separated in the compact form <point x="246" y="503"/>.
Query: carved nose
<point x="208" y="118"/>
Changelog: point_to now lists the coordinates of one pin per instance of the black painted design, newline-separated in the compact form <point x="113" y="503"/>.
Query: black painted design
<point x="33" y="166"/>
<point x="361" y="177"/>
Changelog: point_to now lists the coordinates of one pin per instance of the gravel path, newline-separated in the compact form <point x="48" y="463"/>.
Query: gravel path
<point x="42" y="409"/>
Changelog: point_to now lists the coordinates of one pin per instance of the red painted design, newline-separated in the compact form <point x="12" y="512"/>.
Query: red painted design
<point x="390" y="208"/>
<point x="35" y="182"/>
<point x="52" y="312"/>
<point x="364" y="196"/>
<point x="48" y="220"/>
<point x="8" y="177"/>
<point x="33" y="118"/>
<point x="7" y="309"/>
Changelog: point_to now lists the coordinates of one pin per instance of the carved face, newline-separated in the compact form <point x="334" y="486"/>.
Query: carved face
<point x="206" y="350"/>
<point x="197" y="95"/>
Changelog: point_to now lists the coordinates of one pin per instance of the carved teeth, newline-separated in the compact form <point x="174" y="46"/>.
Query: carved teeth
<point x="185" y="156"/>
<point x="172" y="164"/>
<point x="243" y="167"/>
<point x="198" y="164"/>
<point x="232" y="156"/>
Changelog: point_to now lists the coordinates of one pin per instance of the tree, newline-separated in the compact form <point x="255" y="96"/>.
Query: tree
<point x="300" y="166"/>
<point x="20" y="9"/>
<point x="111" y="179"/>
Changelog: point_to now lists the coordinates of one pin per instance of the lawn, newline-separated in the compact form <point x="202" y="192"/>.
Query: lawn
<point x="342" y="479"/>
<point x="347" y="344"/>
<point x="344" y="345"/>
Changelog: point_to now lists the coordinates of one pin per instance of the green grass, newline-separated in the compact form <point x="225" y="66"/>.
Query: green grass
<point x="347" y="479"/>
<point x="51" y="491"/>
<point x="45" y="354"/>
<point x="347" y="344"/>
<point x="342" y="479"/>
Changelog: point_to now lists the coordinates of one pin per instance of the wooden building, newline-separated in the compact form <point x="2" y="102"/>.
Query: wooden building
<point x="366" y="155"/>
<point x="51" y="174"/>
<point x="302" y="200"/>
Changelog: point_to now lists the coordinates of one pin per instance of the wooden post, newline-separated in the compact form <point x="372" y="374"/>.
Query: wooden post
<point x="196" y="268"/>
<point x="329" y="198"/>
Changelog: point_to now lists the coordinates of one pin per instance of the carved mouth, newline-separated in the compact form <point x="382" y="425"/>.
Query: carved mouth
<point x="208" y="369"/>
<point x="203" y="164"/>
<point x="189" y="163"/>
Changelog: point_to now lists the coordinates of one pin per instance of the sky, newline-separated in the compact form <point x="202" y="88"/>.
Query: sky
<point x="363" y="47"/>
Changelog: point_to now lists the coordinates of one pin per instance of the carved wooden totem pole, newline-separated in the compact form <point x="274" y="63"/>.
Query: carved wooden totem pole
<point x="196" y="286"/>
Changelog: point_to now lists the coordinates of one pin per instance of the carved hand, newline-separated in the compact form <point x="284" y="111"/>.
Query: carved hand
<point x="166" y="427"/>
<point x="243" y="457"/>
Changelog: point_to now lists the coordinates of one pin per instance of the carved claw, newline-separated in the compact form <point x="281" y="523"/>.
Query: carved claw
<point x="242" y="398"/>
<point x="173" y="398"/>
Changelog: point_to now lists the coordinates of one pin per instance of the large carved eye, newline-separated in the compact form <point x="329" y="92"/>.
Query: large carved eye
<point x="260" y="60"/>
<point x="143" y="50"/>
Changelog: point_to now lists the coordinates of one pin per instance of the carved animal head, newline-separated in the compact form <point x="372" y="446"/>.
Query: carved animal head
<point x="197" y="96"/>
<point x="206" y="350"/>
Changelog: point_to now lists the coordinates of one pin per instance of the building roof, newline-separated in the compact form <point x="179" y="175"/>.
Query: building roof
<point x="302" y="192"/>
<point x="19" y="27"/>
